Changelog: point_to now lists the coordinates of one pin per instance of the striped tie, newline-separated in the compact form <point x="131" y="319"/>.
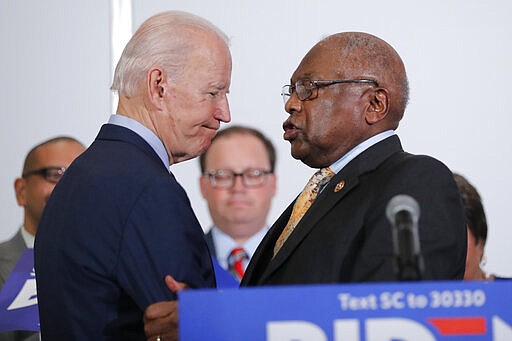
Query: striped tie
<point x="236" y="262"/>
<point x="304" y="201"/>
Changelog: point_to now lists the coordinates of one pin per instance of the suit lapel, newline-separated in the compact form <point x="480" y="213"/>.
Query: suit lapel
<point x="322" y="205"/>
<point x="208" y="237"/>
<point x="341" y="184"/>
<point x="263" y="254"/>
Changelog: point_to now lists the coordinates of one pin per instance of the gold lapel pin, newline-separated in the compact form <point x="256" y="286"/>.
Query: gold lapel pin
<point x="339" y="186"/>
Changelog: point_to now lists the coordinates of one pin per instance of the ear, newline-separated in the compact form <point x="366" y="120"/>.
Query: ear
<point x="157" y="85"/>
<point x="19" y="189"/>
<point x="378" y="107"/>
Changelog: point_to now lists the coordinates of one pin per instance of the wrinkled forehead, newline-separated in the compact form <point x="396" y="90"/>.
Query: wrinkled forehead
<point x="328" y="61"/>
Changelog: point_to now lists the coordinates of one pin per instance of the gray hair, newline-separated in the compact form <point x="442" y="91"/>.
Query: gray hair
<point x="164" y="40"/>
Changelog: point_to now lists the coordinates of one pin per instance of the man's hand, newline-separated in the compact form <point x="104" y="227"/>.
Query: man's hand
<point x="174" y="285"/>
<point x="161" y="318"/>
<point x="161" y="321"/>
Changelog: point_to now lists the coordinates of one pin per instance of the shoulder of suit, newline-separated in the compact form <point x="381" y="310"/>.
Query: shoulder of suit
<point x="12" y="247"/>
<point x="406" y="159"/>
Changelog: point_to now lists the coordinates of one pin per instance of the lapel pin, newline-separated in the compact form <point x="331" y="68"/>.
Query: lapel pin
<point x="339" y="186"/>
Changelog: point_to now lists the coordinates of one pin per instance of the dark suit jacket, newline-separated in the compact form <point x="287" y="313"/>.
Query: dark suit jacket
<point x="345" y="235"/>
<point x="115" y="225"/>
<point x="211" y="245"/>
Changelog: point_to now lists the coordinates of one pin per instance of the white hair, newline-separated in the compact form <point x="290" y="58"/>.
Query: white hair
<point x="164" y="40"/>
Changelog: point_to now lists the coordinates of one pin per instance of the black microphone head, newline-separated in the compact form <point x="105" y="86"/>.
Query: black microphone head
<point x="403" y="202"/>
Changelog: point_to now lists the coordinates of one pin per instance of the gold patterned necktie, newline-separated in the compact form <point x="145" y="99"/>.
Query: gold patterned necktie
<point x="304" y="201"/>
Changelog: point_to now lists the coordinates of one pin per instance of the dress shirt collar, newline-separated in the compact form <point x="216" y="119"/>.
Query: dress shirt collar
<point x="145" y="133"/>
<point x="224" y="244"/>
<point x="345" y="159"/>
<point x="28" y="238"/>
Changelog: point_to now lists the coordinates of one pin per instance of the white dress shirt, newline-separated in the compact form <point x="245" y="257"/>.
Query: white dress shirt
<point x="224" y="244"/>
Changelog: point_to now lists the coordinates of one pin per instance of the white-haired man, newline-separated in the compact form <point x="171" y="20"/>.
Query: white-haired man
<point x="119" y="221"/>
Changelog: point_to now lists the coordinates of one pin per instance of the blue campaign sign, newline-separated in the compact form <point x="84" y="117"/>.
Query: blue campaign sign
<point x="18" y="298"/>
<point x="395" y="311"/>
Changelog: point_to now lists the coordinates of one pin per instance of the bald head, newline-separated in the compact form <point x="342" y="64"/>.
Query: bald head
<point x="349" y="87"/>
<point x="362" y="55"/>
<point x="32" y="158"/>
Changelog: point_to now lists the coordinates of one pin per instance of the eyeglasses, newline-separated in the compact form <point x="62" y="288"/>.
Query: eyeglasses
<point x="51" y="174"/>
<point x="225" y="178"/>
<point x="307" y="89"/>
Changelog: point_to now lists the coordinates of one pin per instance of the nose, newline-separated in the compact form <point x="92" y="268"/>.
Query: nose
<point x="293" y="104"/>
<point x="223" y="113"/>
<point x="238" y="185"/>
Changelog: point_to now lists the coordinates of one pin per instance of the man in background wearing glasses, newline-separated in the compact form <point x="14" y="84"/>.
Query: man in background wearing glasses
<point x="238" y="183"/>
<point x="43" y="167"/>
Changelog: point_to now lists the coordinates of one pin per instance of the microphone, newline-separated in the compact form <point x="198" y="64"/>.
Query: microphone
<point x="403" y="212"/>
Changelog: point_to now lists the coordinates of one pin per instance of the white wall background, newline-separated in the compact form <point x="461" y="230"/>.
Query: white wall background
<point x="55" y="76"/>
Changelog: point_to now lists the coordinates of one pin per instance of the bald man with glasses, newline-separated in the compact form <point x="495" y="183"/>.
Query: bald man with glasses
<point x="43" y="167"/>
<point x="345" y="101"/>
<point x="238" y="183"/>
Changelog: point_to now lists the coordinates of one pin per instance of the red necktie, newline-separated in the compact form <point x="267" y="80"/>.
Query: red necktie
<point x="236" y="262"/>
